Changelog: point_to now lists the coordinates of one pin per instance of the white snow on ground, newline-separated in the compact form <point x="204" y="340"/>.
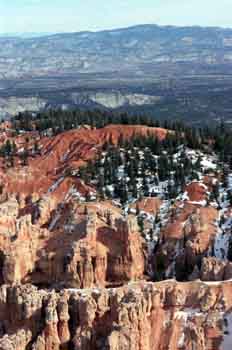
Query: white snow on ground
<point x="206" y="163"/>
<point x="152" y="239"/>
<point x="54" y="221"/>
<point x="202" y="203"/>
<point x="185" y="316"/>
<point x="185" y="197"/>
<point x="227" y="340"/>
<point x="110" y="188"/>
<point x="228" y="224"/>
<point x="216" y="283"/>
<point x="221" y="245"/>
<point x="229" y="181"/>
<point x="222" y="240"/>
<point x="164" y="209"/>
<point x="181" y="341"/>
<point x="187" y="313"/>
<point x="117" y="203"/>
<point x="181" y="315"/>
<point x="65" y="156"/>
<point x="73" y="193"/>
<point x="171" y="270"/>
<point x="55" y="185"/>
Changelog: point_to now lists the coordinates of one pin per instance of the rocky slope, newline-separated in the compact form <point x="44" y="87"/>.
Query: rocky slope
<point x="78" y="271"/>
<point x="14" y="105"/>
<point x="47" y="171"/>
<point x="142" y="316"/>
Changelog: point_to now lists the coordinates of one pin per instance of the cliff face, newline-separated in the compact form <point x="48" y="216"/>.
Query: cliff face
<point x="185" y="240"/>
<point x="140" y="316"/>
<point x="65" y="242"/>
<point x="116" y="99"/>
<point x="73" y="248"/>
<point x="74" y="272"/>
<point x="13" y="105"/>
<point x="46" y="172"/>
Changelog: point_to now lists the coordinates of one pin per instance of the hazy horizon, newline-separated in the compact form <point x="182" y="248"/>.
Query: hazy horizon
<point x="38" y="34"/>
<point x="46" y="16"/>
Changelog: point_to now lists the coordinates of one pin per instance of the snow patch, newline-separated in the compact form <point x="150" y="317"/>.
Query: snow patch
<point x="221" y="245"/>
<point x="203" y="203"/>
<point x="181" y="341"/>
<point x="54" y="221"/>
<point x="229" y="179"/>
<point x="185" y="197"/>
<point x="206" y="163"/>
<point x="227" y="340"/>
<point x="55" y="185"/>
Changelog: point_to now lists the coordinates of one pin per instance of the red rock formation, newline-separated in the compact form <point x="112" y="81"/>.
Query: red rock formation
<point x="197" y="191"/>
<point x="213" y="269"/>
<point x="68" y="150"/>
<point x="142" y="316"/>
<point x="51" y="240"/>
<point x="187" y="237"/>
<point x="65" y="246"/>
<point x="149" y="205"/>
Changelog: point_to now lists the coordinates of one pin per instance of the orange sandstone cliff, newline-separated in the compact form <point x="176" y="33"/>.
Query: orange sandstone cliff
<point x="83" y="275"/>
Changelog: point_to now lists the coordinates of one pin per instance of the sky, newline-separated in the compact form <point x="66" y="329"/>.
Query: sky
<point x="78" y="15"/>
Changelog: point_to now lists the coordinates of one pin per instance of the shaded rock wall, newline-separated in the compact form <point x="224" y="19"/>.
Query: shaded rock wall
<point x="142" y="316"/>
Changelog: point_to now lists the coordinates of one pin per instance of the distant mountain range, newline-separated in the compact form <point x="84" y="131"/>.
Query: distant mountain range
<point x="138" y="49"/>
<point x="135" y="66"/>
<point x="24" y="35"/>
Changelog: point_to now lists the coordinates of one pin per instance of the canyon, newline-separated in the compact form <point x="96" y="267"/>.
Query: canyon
<point x="80" y="272"/>
<point x="167" y="315"/>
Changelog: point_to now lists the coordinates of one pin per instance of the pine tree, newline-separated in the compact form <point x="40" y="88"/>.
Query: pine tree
<point x="140" y="221"/>
<point x="24" y="157"/>
<point x="8" y="148"/>
<point x="85" y="210"/>
<point x="137" y="209"/>
<point x="109" y="218"/>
